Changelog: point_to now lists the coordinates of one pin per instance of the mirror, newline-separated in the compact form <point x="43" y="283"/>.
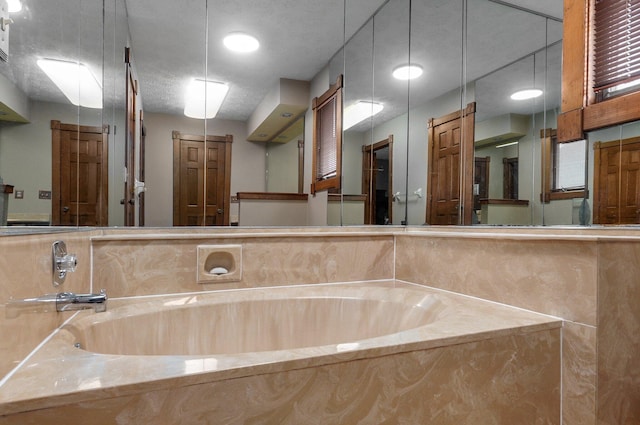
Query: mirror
<point x="461" y="64"/>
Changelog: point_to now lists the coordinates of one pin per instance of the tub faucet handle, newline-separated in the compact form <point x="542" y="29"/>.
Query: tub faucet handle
<point x="62" y="262"/>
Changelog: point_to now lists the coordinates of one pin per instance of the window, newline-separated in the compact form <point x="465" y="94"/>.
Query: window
<point x="563" y="168"/>
<point x="616" y="50"/>
<point x="327" y="139"/>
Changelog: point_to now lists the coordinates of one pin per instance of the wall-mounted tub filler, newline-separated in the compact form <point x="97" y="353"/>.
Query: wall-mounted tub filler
<point x="219" y="263"/>
<point x="63" y="301"/>
<point x="61" y="262"/>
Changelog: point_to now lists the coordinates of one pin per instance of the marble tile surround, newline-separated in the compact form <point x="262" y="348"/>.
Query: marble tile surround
<point x="26" y="263"/>
<point x="506" y="380"/>
<point x="603" y="271"/>
<point x="158" y="266"/>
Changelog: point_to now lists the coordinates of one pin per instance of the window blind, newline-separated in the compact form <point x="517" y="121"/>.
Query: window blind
<point x="327" y="156"/>
<point x="616" y="45"/>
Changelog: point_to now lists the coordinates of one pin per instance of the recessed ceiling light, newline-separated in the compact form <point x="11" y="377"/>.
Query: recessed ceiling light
<point x="75" y="81"/>
<point x="407" y="72"/>
<point x="204" y="98"/>
<point x="15" y="6"/>
<point x="359" y="111"/>
<point x="526" y="94"/>
<point x="241" y="42"/>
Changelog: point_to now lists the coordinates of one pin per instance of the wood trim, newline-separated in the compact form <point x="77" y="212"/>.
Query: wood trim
<point x="55" y="173"/>
<point x="336" y="181"/>
<point x="228" y="139"/>
<point x="570" y="126"/>
<point x="301" y="166"/>
<point x="569" y="194"/>
<point x="517" y="202"/>
<point x="574" y="55"/>
<point x="337" y="197"/>
<point x="272" y="196"/>
<point x="57" y="125"/>
<point x="176" y="178"/>
<point x="469" y="109"/>
<point x="623" y="142"/>
<point x="618" y="110"/>
<point x="333" y="88"/>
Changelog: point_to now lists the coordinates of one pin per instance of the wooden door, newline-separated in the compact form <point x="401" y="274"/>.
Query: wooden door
<point x="141" y="171"/>
<point x="201" y="180"/>
<point x="370" y="169"/>
<point x="450" y="168"/>
<point x="79" y="191"/>
<point x="130" y="152"/>
<point x="617" y="182"/>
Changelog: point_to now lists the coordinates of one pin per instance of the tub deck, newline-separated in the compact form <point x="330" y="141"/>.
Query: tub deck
<point x="58" y="373"/>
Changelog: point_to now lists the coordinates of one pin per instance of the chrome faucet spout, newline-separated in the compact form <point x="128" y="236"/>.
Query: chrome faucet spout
<point x="68" y="301"/>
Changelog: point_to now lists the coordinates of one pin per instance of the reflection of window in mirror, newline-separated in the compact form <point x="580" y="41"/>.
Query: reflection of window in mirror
<point x="510" y="178"/>
<point x="327" y="139"/>
<point x="563" y="167"/>
<point x="616" y="61"/>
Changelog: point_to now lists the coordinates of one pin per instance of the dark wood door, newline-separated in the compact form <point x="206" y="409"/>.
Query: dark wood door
<point x="451" y="166"/>
<point x="130" y="145"/>
<point x="79" y="192"/>
<point x="370" y="169"/>
<point x="617" y="182"/>
<point x="201" y="180"/>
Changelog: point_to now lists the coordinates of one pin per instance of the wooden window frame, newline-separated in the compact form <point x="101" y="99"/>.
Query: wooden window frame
<point x="549" y="140"/>
<point x="332" y="183"/>
<point x="580" y="112"/>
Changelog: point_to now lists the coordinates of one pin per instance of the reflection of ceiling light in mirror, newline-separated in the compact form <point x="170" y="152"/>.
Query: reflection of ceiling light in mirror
<point x="359" y="111"/>
<point x="241" y="42"/>
<point x="504" y="145"/>
<point x="15" y="6"/>
<point x="75" y="80"/>
<point x="526" y="94"/>
<point x="407" y="72"/>
<point x="204" y="98"/>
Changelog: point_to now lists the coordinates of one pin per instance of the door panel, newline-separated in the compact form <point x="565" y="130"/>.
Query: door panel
<point x="451" y="168"/>
<point x="617" y="182"/>
<point x="80" y="175"/>
<point x="201" y="180"/>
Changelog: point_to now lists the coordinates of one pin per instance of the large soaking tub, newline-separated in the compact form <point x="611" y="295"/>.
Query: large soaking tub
<point x="334" y="353"/>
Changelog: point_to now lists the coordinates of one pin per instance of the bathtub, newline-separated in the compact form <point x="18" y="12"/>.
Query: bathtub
<point x="333" y="353"/>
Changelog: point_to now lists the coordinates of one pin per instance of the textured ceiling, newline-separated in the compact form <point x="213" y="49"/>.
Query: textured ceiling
<point x="175" y="41"/>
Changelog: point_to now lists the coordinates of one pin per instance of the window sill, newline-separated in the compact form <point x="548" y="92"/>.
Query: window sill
<point x="569" y="194"/>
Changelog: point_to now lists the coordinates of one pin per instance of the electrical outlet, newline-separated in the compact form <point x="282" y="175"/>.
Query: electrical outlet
<point x="44" y="194"/>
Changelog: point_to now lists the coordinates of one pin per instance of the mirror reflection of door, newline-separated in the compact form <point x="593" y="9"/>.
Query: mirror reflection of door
<point x="129" y="162"/>
<point x="377" y="181"/>
<point x="617" y="182"/>
<point x="201" y="180"/>
<point x="450" y="168"/>
<point x="79" y="175"/>
<point x="141" y="171"/>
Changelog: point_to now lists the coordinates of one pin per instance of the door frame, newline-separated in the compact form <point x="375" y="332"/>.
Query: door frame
<point x="598" y="213"/>
<point x="368" y="184"/>
<point x="56" y="171"/>
<point x="466" y="157"/>
<point x="177" y="138"/>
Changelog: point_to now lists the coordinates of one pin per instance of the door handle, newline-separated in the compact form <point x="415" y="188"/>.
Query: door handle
<point x="65" y="209"/>
<point x="220" y="211"/>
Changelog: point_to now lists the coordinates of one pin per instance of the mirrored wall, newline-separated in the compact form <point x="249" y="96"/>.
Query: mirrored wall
<point x="442" y="142"/>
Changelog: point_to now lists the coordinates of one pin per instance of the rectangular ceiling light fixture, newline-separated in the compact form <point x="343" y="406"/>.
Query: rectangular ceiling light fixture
<point x="75" y="80"/>
<point x="358" y="112"/>
<point x="204" y="98"/>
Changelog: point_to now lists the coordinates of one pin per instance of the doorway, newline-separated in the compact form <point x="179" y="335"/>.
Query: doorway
<point x="79" y="187"/>
<point x="201" y="180"/>
<point x="617" y="182"/>
<point x="377" y="181"/>
<point x="450" y="168"/>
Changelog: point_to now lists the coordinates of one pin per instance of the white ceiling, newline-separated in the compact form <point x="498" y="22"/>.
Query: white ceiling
<point x="298" y="39"/>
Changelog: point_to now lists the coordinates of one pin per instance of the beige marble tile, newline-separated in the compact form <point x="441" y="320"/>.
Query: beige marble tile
<point x="578" y="374"/>
<point x="619" y="333"/>
<point x="159" y="266"/>
<point x="556" y="277"/>
<point x="25" y="272"/>
<point x="506" y="380"/>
